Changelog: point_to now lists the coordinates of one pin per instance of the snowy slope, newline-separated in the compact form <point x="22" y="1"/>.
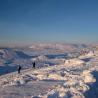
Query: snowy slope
<point x="43" y="54"/>
<point x="59" y="81"/>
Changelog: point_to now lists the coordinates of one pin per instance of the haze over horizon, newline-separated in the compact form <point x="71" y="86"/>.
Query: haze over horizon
<point x="23" y="22"/>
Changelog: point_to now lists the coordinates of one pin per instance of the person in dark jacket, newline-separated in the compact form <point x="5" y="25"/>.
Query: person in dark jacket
<point x="33" y="64"/>
<point x="19" y="69"/>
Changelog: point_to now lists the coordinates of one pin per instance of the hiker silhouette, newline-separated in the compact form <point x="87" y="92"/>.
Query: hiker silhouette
<point x="33" y="64"/>
<point x="19" y="69"/>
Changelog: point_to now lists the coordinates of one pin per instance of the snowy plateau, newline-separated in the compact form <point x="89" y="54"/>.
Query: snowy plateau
<point x="62" y="71"/>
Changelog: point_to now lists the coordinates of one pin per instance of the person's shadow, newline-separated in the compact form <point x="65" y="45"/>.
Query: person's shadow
<point x="93" y="92"/>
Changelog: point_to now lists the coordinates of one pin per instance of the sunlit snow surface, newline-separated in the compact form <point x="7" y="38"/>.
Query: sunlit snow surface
<point x="75" y="77"/>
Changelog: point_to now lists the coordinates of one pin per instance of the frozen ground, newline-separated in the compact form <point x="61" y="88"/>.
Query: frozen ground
<point x="72" y="78"/>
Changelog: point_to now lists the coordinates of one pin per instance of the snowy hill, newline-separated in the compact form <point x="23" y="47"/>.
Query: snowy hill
<point x="76" y="78"/>
<point x="44" y="54"/>
<point x="58" y="47"/>
<point x="59" y="73"/>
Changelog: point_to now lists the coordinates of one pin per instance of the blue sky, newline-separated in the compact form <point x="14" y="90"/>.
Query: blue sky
<point x="28" y="21"/>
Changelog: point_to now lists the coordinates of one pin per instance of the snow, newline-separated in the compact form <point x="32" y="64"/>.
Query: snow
<point x="68" y="78"/>
<point x="88" y="77"/>
<point x="74" y="62"/>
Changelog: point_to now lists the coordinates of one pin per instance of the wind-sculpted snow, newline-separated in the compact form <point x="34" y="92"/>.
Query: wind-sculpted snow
<point x="74" y="62"/>
<point x="75" y="77"/>
<point x="59" y="81"/>
<point x="44" y="55"/>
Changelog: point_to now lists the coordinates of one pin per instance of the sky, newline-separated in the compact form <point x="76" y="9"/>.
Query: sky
<point x="28" y="21"/>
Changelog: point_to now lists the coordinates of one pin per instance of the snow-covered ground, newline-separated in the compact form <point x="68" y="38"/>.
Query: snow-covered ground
<point x="70" y="78"/>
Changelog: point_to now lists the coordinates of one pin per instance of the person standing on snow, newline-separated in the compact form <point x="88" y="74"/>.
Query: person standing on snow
<point x="19" y="69"/>
<point x="33" y="64"/>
